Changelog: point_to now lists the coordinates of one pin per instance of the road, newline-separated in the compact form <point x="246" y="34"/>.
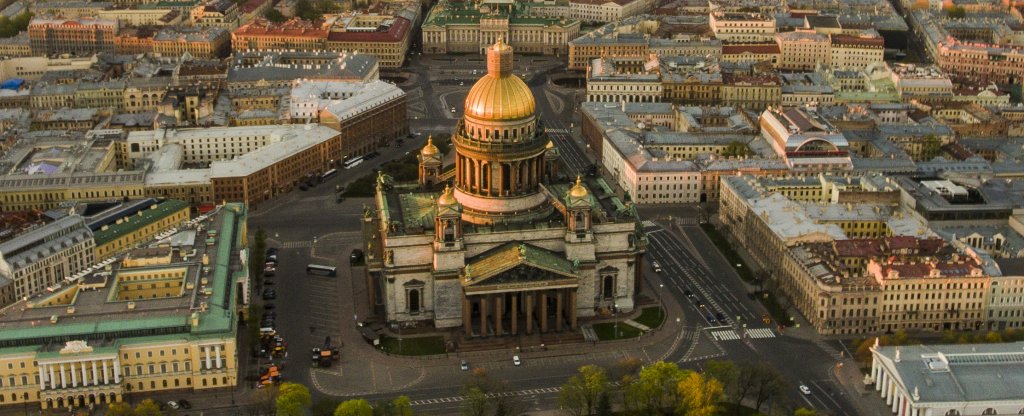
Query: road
<point x="688" y="265"/>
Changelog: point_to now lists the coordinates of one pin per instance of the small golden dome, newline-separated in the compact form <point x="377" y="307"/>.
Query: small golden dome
<point x="550" y="145"/>
<point x="430" y="149"/>
<point x="500" y="95"/>
<point x="447" y="197"/>
<point x="578" y="190"/>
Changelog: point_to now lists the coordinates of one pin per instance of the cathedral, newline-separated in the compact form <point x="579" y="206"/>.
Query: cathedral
<point x="504" y="248"/>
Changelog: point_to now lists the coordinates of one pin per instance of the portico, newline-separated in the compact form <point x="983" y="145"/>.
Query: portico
<point x="515" y="312"/>
<point x="79" y="377"/>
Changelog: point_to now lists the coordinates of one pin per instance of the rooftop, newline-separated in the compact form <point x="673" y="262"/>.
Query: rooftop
<point x="972" y="373"/>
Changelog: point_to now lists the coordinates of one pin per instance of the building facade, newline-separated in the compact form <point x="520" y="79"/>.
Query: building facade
<point x="45" y="256"/>
<point x="73" y="36"/>
<point x="469" y="27"/>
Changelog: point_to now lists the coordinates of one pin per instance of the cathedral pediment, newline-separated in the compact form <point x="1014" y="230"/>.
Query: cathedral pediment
<point x="519" y="265"/>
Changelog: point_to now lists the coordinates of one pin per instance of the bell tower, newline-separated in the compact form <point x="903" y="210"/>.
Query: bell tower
<point x="430" y="164"/>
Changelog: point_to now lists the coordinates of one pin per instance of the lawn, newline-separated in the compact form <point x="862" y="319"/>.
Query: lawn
<point x="651" y="317"/>
<point x="413" y="346"/>
<point x="606" y="331"/>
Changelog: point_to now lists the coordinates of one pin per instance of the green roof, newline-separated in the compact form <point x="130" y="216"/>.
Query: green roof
<point x="513" y="253"/>
<point x="221" y="313"/>
<point x="136" y="221"/>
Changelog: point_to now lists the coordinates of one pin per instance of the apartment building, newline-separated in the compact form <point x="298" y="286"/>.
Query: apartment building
<point x="84" y="36"/>
<point x="44" y="256"/>
<point x="736" y="27"/>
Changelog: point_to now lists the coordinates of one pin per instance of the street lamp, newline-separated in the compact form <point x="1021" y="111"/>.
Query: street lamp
<point x="615" y="311"/>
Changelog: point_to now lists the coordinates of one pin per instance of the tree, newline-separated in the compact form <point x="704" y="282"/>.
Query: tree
<point x="699" y="395"/>
<point x="324" y="407"/>
<point x="476" y="403"/>
<point x="604" y="405"/>
<point x="401" y="406"/>
<point x="292" y="399"/>
<point x="265" y="399"/>
<point x="119" y="409"/>
<point x="274" y="15"/>
<point x="355" y="407"/>
<point x="805" y="412"/>
<point x="626" y="367"/>
<point x="993" y="337"/>
<point x="10" y="27"/>
<point x="655" y="391"/>
<point x="148" y="408"/>
<point x="768" y="383"/>
<point x="737" y="148"/>
<point x="580" y="395"/>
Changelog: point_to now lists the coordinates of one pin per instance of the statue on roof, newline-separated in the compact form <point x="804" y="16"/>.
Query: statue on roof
<point x="367" y="212"/>
<point x="522" y="250"/>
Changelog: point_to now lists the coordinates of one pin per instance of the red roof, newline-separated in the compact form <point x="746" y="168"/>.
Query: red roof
<point x="858" y="247"/>
<point x="395" y="33"/>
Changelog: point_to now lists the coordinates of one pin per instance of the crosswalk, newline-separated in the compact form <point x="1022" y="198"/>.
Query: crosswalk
<point x="296" y="244"/>
<point x="760" y="333"/>
<point x="725" y="335"/>
<point x="560" y="131"/>
<point x="731" y="334"/>
<point x="456" y="399"/>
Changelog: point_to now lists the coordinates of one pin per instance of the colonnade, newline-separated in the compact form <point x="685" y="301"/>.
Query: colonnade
<point x="71" y="374"/>
<point x="492" y="178"/>
<point x="894" y="395"/>
<point x="500" y="313"/>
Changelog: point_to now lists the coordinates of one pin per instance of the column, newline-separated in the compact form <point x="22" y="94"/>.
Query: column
<point x="74" y="376"/>
<point x="528" y="313"/>
<point x="117" y="371"/>
<point x="42" y="377"/>
<point x="558" y="310"/>
<point x="874" y="371"/>
<point x="572" y="309"/>
<point x="515" y="313"/>
<point x="106" y="375"/>
<point x="216" y="349"/>
<point x="543" y="312"/>
<point x="53" y="380"/>
<point x="206" y="351"/>
<point x="95" y="374"/>
<point x="896" y="402"/>
<point x="879" y="380"/>
<point x="483" y="315"/>
<point x="888" y="392"/>
<point x="467" y="317"/>
<point x="499" y="306"/>
<point x="85" y="374"/>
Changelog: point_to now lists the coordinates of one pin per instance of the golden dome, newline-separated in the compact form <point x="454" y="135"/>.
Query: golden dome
<point x="578" y="190"/>
<point x="447" y="197"/>
<point x="550" y="145"/>
<point x="500" y="95"/>
<point x="430" y="149"/>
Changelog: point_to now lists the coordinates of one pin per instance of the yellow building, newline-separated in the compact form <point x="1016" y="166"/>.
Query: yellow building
<point x="128" y="231"/>
<point x="62" y="348"/>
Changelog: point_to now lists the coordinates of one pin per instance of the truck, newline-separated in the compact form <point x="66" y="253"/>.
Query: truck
<point x="326" y="355"/>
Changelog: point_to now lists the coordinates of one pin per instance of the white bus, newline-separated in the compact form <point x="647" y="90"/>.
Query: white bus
<point x="352" y="162"/>
<point x="319" y="268"/>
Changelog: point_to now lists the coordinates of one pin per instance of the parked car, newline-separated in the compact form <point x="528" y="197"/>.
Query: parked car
<point x="269" y="271"/>
<point x="688" y="293"/>
<point x="184" y="404"/>
<point x="656" y="266"/>
<point x="268" y="306"/>
<point x="516" y="361"/>
<point x="172" y="404"/>
<point x="804" y="389"/>
<point x="464" y="366"/>
<point x="269" y="296"/>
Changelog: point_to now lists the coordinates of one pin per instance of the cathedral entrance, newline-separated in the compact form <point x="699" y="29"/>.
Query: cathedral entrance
<point x="511" y="313"/>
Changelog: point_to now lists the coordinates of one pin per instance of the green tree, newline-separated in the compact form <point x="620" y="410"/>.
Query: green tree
<point x="324" y="407"/>
<point x="10" y="27"/>
<point x="737" y="148"/>
<point x="580" y="395"/>
<point x="476" y="403"/>
<point x="292" y="399"/>
<point x="604" y="405"/>
<point x="699" y="395"/>
<point x="626" y="368"/>
<point x="355" y="407"/>
<point x="805" y="412"/>
<point x="402" y="406"/>
<point x="274" y="15"/>
<point x="993" y="337"/>
<point x="655" y="391"/>
<point x="120" y="409"/>
<point x="148" y="408"/>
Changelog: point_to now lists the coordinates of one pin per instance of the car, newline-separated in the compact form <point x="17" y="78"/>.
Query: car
<point x="185" y="404"/>
<point x="271" y="251"/>
<point x="461" y="83"/>
<point x="804" y="389"/>
<point x="710" y="318"/>
<point x="700" y="303"/>
<point x="356" y="256"/>
<point x="463" y="365"/>
<point x="453" y="109"/>
<point x="268" y="282"/>
<point x="272" y="258"/>
<point x="688" y="293"/>
<point x="269" y="272"/>
<point x="719" y="316"/>
<point x="268" y="306"/>
<point x="656" y="266"/>
<point x="516" y="361"/>
<point x="269" y="296"/>
<point x="172" y="404"/>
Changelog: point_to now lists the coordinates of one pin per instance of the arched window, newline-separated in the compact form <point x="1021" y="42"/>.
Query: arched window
<point x="990" y="411"/>
<point x="414" y="301"/>
<point x="953" y="412"/>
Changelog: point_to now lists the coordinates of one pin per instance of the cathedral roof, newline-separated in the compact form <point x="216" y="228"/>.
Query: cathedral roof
<point x="500" y="95"/>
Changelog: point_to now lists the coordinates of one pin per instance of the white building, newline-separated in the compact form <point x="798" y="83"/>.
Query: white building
<point x="950" y="380"/>
<point x="47" y="255"/>
<point x="742" y="27"/>
<point x="607" y="84"/>
<point x="310" y="97"/>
